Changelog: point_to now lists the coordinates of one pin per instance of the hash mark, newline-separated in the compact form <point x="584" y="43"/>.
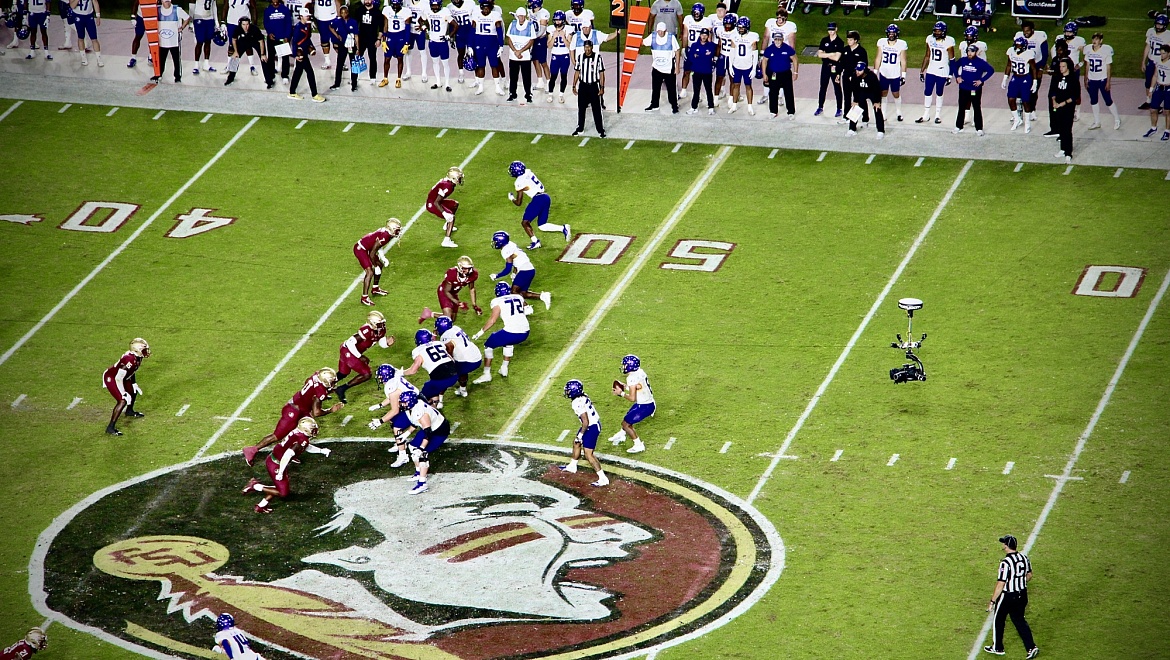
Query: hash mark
<point x="1007" y="469"/>
<point x="347" y="127"/>
<point x="112" y="111"/>
<point x="893" y="459"/>
<point x="561" y="437"/>
<point x="629" y="144"/>
<point x="669" y="443"/>
<point x="206" y="117"/>
<point x="537" y="138"/>
<point x="1019" y="166"/>
<point x="870" y="159"/>
<point x="454" y="426"/>
<point x="347" y="420"/>
<point x="1124" y="477"/>
<point x="951" y="463"/>
<point x="1168" y="175"/>
<point x="773" y="154"/>
<point x="918" y="163"/>
<point x="441" y="133"/>
<point x="73" y="404"/>
<point x="837" y="456"/>
<point x="1068" y="170"/>
<point x="584" y="141"/>
<point x="677" y="146"/>
<point x="305" y="121"/>
<point x="1117" y="174"/>
<point x="160" y="114"/>
<point x="182" y="409"/>
<point x="18" y="400"/>
<point x="822" y="156"/>
<point x="726" y="446"/>
<point x="395" y="130"/>
<point x="234" y="419"/>
<point x="64" y="108"/>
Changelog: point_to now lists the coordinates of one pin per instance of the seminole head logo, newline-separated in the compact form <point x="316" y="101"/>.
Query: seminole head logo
<point x="505" y="556"/>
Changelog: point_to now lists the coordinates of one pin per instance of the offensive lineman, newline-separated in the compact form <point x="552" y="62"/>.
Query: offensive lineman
<point x="369" y="248"/>
<point x="637" y="390"/>
<point x="538" y="206"/>
<point x="305" y="402"/>
<point x="283" y="454"/>
<point x="393" y="384"/>
<point x="441" y="206"/>
<point x="589" y="432"/>
<point x="122" y="383"/>
<point x="352" y="352"/>
<point x="514" y="312"/>
<point x="935" y="71"/>
<point x="467" y="356"/>
<point x="432" y="355"/>
<point x="324" y="11"/>
<point x="433" y="430"/>
<point x="890" y="64"/>
<point x="516" y="261"/>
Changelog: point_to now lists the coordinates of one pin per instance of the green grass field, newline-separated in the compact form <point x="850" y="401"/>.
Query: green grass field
<point x="883" y="557"/>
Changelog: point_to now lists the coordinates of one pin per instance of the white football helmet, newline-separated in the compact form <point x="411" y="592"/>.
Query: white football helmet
<point x="455" y="174"/>
<point x="375" y="318"/>
<point x="139" y="347"/>
<point x="327" y="376"/>
<point x="465" y="265"/>
<point x="308" y="426"/>
<point x="394" y="226"/>
<point x="37" y="639"/>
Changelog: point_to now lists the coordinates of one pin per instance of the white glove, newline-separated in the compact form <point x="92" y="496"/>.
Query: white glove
<point x="511" y="197"/>
<point x="477" y="335"/>
<point x="1035" y="86"/>
<point x="378" y="271"/>
<point x="1005" y="81"/>
<point x="494" y="277"/>
<point x="326" y="451"/>
<point x="384" y="344"/>
<point x="374" y="423"/>
<point x="528" y="310"/>
<point x="279" y="476"/>
<point x="376" y="406"/>
<point x="382" y="258"/>
<point x="137" y="390"/>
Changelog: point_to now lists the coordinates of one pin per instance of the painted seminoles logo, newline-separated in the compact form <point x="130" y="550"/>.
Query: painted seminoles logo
<point x="505" y="556"/>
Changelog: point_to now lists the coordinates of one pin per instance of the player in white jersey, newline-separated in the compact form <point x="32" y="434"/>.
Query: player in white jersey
<point x="540" y="17"/>
<point x="436" y="20"/>
<point x="782" y="26"/>
<point x="1098" y="70"/>
<point x="38" y="19"/>
<point x="235" y="10"/>
<point x="231" y="641"/>
<point x="722" y="38"/>
<point x="935" y="72"/>
<point x="418" y="38"/>
<point x="1160" y="95"/>
<point x="510" y="308"/>
<point x="589" y="432"/>
<point x="559" y="36"/>
<point x="637" y="390"/>
<point x="433" y="430"/>
<point x="1075" y="43"/>
<point x="466" y="354"/>
<point x="393" y="385"/>
<point x="972" y="39"/>
<point x="890" y="64"/>
<point x="1157" y="40"/>
<point x="693" y="24"/>
<point x="324" y="11"/>
<point x="517" y="262"/>
<point x="745" y="52"/>
<point x="1019" y="79"/>
<point x="1038" y="42"/>
<point x="487" y="45"/>
<point x="460" y="11"/>
<point x="87" y="17"/>
<point x="538" y="206"/>
<point x="578" y="15"/>
<point x="205" y="21"/>
<point x="432" y="355"/>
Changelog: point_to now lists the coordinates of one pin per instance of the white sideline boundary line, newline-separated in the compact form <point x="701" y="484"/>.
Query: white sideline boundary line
<point x="812" y="404"/>
<point x="615" y="292"/>
<point x="320" y="322"/>
<point x="1066" y="476"/>
<point x="125" y="244"/>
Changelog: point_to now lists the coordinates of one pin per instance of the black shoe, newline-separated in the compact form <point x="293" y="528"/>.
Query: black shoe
<point x="334" y="86"/>
<point x="674" y="111"/>
<point x="340" y="391"/>
<point x="1051" y="134"/>
<point x="577" y="132"/>
<point x="511" y="98"/>
<point x="1144" y="106"/>
<point x="270" y="85"/>
<point x="650" y="108"/>
<point x="228" y="82"/>
<point x="938" y="120"/>
<point x="353" y="89"/>
<point x="920" y="120"/>
<point x="991" y="649"/>
<point x="1034" y="652"/>
<point x="155" y="79"/>
<point x="601" y="135"/>
<point x="112" y="431"/>
<point x="436" y="86"/>
<point x="134" y="413"/>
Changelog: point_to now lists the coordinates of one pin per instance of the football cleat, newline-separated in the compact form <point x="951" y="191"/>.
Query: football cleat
<point x="534" y="245"/>
<point x="224" y="621"/>
<point x="113" y="431"/>
<point x="448" y="243"/>
<point x="991" y="649"/>
<point x="443" y="324"/>
<point x="367" y="302"/>
<point x="502" y="289"/>
<point x="327" y="377"/>
<point x="419" y="487"/>
<point x="376" y="319"/>
<point x="517" y="168"/>
<point x="134" y="413"/>
<point x="571" y="469"/>
<point x="308" y="426"/>
<point x="402" y="459"/>
<point x="379" y="291"/>
<point x="485" y="378"/>
<point x="617" y="438"/>
<point x="600" y="483"/>
<point x="263" y="508"/>
<point x="407" y="399"/>
<point x="631" y="363"/>
<point x="423" y="336"/>
<point x="250" y="454"/>
<point x="566" y="232"/>
<point x="250" y="488"/>
<point x="455" y="175"/>
<point x="464" y="265"/>
<point x="500" y="239"/>
<point x="637" y="448"/>
<point x="139" y="347"/>
<point x="461" y="392"/>
<point x="574" y="388"/>
<point x="504" y="369"/>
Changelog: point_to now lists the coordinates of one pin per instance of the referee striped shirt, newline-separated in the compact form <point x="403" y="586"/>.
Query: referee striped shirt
<point x="1013" y="572"/>
<point x="590" y="68"/>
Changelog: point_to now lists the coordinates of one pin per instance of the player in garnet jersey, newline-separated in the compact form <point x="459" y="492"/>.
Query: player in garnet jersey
<point x="305" y="403"/>
<point x="34" y="641"/>
<point x="440" y="204"/>
<point x="462" y="275"/>
<point x="122" y="385"/>
<point x="353" y="352"/>
<point x="369" y="254"/>
<point x="293" y="445"/>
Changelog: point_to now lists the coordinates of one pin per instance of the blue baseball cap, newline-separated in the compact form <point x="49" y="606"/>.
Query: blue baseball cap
<point x="860" y="66"/>
<point x="832" y="26"/>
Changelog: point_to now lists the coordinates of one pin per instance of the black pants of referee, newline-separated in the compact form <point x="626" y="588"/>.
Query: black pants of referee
<point x="588" y="96"/>
<point x="1012" y="605"/>
<point x="972" y="99"/>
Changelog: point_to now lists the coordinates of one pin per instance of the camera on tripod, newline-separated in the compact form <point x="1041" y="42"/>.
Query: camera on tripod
<point x="914" y="369"/>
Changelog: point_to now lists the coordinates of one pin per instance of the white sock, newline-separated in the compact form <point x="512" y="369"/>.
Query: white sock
<point x="327" y="62"/>
<point x="446" y="72"/>
<point x="549" y="226"/>
<point x="1096" y="113"/>
<point x="479" y="81"/>
<point x="1113" y="111"/>
<point x="407" y="67"/>
<point x="198" y="62"/>
<point x="601" y="477"/>
<point x="572" y="464"/>
<point x="898" y="105"/>
<point x="926" y="108"/>
<point x="252" y="62"/>
<point x="938" y="106"/>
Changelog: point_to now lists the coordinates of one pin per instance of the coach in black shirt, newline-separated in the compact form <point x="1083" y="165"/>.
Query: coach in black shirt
<point x="1063" y="93"/>
<point x="865" y="89"/>
<point x="1010" y="598"/>
<point x="830" y="52"/>
<point x="246" y="41"/>
<point x="369" y="20"/>
<point x="854" y="52"/>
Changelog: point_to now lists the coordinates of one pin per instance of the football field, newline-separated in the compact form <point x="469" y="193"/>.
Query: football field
<point x="758" y="287"/>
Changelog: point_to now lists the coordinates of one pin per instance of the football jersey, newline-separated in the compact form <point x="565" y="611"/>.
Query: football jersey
<point x="238" y="9"/>
<point x="203" y="10"/>
<point x="416" y="9"/>
<point x="458" y="281"/>
<point x="436" y="22"/>
<point x="980" y="52"/>
<point x="583" y="406"/>
<point x="484" y="30"/>
<point x="294" y="442"/>
<point x="18" y="651"/>
<point x="541" y="18"/>
<point x="397" y="385"/>
<point x="364" y="338"/>
<point x="1162" y="73"/>
<point x="423" y="408"/>
<point x="433" y="354"/>
<point x="577" y="20"/>
<point x="396" y="23"/>
<point x="520" y="260"/>
<point x="939" y="63"/>
<point x="1018" y="63"/>
<point x="744" y="50"/>
<point x="1098" y="61"/>
<point x="461" y="14"/>
<point x="375" y="239"/>
<point x="313" y="390"/>
<point x="1034" y="41"/>
<point x="528" y="184"/>
<point x="691" y="27"/>
<point x="512" y="313"/>
<point x="1075" y="46"/>
<point x="324" y="10"/>
<point x="889" y="65"/>
<point x="38" y="7"/>
<point x="128" y="362"/>
<point x="788" y="29"/>
<point x="465" y="349"/>
<point x="725" y="43"/>
<point x="234" y="644"/>
<point x="559" y="40"/>
<point x="83" y="8"/>
<point x="1157" y="41"/>
<point x="639" y="377"/>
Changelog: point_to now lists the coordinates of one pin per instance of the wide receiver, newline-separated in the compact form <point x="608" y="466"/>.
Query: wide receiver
<point x="306" y="402"/>
<point x="463" y="274"/>
<point x="231" y="641"/>
<point x="121" y="382"/>
<point x="283" y="454"/>
<point x="352" y="353"/>
<point x="440" y="204"/>
<point x="372" y="258"/>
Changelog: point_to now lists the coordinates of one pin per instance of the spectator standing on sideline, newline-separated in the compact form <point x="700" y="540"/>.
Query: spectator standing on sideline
<point x="588" y="86"/>
<point x="521" y="34"/>
<point x="1160" y="96"/>
<point x="87" y="18"/>
<point x="866" y="89"/>
<point x="278" y="22"/>
<point x="1062" y="95"/>
<point x="854" y="54"/>
<point x="205" y="19"/>
<point x="172" y="21"/>
<point x="302" y="49"/>
<point x="971" y="73"/>
<point x="247" y="39"/>
<point x="780" y="68"/>
<point x="345" y="38"/>
<point x="369" y="21"/>
<point x="1098" y="75"/>
<point x="830" y="52"/>
<point x="1157" y="40"/>
<point x="1010" y="597"/>
<point x="666" y="55"/>
<point x="701" y="58"/>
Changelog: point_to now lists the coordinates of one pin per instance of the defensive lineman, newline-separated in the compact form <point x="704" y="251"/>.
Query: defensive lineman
<point x="637" y="389"/>
<point x="539" y="205"/>
<point x="510" y="308"/>
<point x="516" y="261"/>
<point x="936" y="71"/>
<point x="589" y="432"/>
<point x="890" y="64"/>
<point x="1010" y="597"/>
<point x="289" y="448"/>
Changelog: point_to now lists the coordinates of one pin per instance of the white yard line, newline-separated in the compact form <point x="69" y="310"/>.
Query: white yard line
<point x="584" y="141"/>
<point x="583" y="333"/>
<point x="441" y="133"/>
<point x="321" y="321"/>
<point x="305" y="121"/>
<point x="18" y="400"/>
<point x="918" y="163"/>
<point x="812" y="404"/>
<point x="206" y="118"/>
<point x="1019" y="166"/>
<point x="677" y="146"/>
<point x="772" y="154"/>
<point x="66" y="107"/>
<point x="870" y="159"/>
<point x="537" y="138"/>
<point x="112" y="111"/>
<point x="159" y="115"/>
<point x="1117" y="174"/>
<point x="347" y="420"/>
<point x="347" y="128"/>
<point x="20" y="103"/>
<point x="822" y="156"/>
<point x="1068" y="170"/>
<point x="629" y="144"/>
<point x="395" y="130"/>
<point x="1066" y="476"/>
<point x="125" y="244"/>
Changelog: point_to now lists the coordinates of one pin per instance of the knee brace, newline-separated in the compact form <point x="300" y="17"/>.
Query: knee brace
<point x="508" y="350"/>
<point x="488" y="353"/>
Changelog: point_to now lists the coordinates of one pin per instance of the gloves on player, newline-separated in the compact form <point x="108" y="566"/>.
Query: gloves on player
<point x="374" y="423"/>
<point x="493" y="276"/>
<point x="325" y="451"/>
<point x="1035" y="86"/>
<point x="1005" y="81"/>
<point x="137" y="390"/>
<point x="477" y="335"/>
<point x="921" y="77"/>
<point x="511" y="197"/>
<point x="376" y="406"/>
<point x="903" y="79"/>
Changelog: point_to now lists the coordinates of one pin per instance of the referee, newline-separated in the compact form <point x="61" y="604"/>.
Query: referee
<point x="588" y="86"/>
<point x="1010" y="597"/>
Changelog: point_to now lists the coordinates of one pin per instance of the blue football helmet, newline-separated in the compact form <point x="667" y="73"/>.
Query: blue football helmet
<point x="385" y="373"/>
<point x="224" y="621"/>
<point x="744" y="22"/>
<point x="219" y="38"/>
<point x="503" y="289"/>
<point x="535" y="4"/>
<point x="574" y="389"/>
<point x="500" y="239"/>
<point x="577" y="4"/>
<point x="892" y="30"/>
<point x="1160" y="19"/>
<point x="940" y="27"/>
<point x="729" y="19"/>
<point x="978" y="7"/>
<point x="422" y="337"/>
<point x="469" y="63"/>
<point x="9" y="21"/>
<point x="408" y="398"/>
<point x="972" y="32"/>
<point x="516" y="169"/>
<point x="1021" y="44"/>
<point x="559" y="15"/>
<point x="22" y="32"/>
<point x="698" y="10"/>
<point x="631" y="363"/>
<point x="443" y="324"/>
<point x="1071" y="26"/>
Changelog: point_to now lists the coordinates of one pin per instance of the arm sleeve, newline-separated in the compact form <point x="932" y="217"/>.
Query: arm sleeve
<point x="313" y="449"/>
<point x="503" y="273"/>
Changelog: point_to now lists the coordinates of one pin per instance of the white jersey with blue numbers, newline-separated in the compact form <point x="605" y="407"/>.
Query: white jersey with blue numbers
<point x="461" y="15"/>
<point x="423" y="408"/>
<point x="1034" y="41"/>
<point x="484" y="26"/>
<point x="577" y="20"/>
<point x="238" y="9"/>
<point x="1157" y="41"/>
<point x="1075" y="47"/>
<point x="980" y="49"/>
<point x="436" y="22"/>
<point x="541" y="19"/>
<point x="38" y="7"/>
<point x="726" y="45"/>
<point x="512" y="313"/>
<point x="234" y="644"/>
<point x="465" y="349"/>
<point x="889" y="66"/>
<point x="1098" y="62"/>
<point x="691" y="27"/>
<point x="939" y="63"/>
<point x="397" y="385"/>
<point x="639" y="377"/>
<point x="416" y="9"/>
<point x="396" y="21"/>
<point x="1020" y="63"/>
<point x="787" y="30"/>
<point x="528" y="184"/>
<point x="521" y="260"/>
<point x="583" y="406"/>
<point x="324" y="10"/>
<point x="203" y="10"/>
<point x="433" y="354"/>
<point x="744" y="50"/>
<point x="1162" y="73"/>
<point x="559" y="40"/>
<point x="83" y="8"/>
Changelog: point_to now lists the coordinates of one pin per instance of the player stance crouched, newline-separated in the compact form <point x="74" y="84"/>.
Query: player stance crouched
<point x="636" y="389"/>
<point x="589" y="432"/>
<point x="34" y="641"/>
<point x="433" y="356"/>
<point x="394" y="384"/>
<point x="516" y="261"/>
<point x="459" y="346"/>
<point x="440" y="204"/>
<point x="292" y="446"/>
<point x="352" y="356"/>
<point x="511" y="308"/>
<point x="370" y="256"/>
<point x="539" y="205"/>
<point x="232" y="641"/>
<point x="306" y="402"/>
<point x="433" y="430"/>
<point x="121" y="382"/>
<point x="463" y="274"/>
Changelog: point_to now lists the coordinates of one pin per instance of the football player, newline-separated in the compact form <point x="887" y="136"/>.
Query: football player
<point x="393" y="384"/>
<point x="283" y="454"/>
<point x="34" y="641"/>
<point x="353" y="352"/>
<point x="205" y="21"/>
<point x="371" y="255"/>
<point x="693" y="24"/>
<point x="1019" y="79"/>
<point x="324" y="11"/>
<point x="442" y="206"/>
<point x="1157" y="40"/>
<point x="306" y="402"/>
<point x="232" y="641"/>
<point x="432" y="355"/>
<point x="1037" y="41"/>
<point x="461" y="348"/>
<point x="589" y="432"/>
<point x="745" y="53"/>
<point x="637" y="389"/>
<point x="558" y="48"/>
<point x="486" y="45"/>
<point x="579" y="15"/>
<point x="538" y="206"/>
<point x="1098" y="74"/>
<point x="935" y="71"/>
<point x="38" y="19"/>
<point x="463" y="274"/>
<point x="122" y="383"/>
<point x="1159" y="95"/>
<point x="433" y="430"/>
<point x="540" y="17"/>
<point x="87" y="18"/>
<point x="460" y="11"/>
<point x="972" y="39"/>
<point x="723" y="37"/>
<point x="890" y="64"/>
<point x="779" y="25"/>
<point x="395" y="42"/>
<point x="515" y="261"/>
<point x="418" y="37"/>
<point x="439" y="27"/>
<point x="511" y="308"/>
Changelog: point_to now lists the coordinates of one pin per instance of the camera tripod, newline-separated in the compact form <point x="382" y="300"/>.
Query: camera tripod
<point x="914" y="369"/>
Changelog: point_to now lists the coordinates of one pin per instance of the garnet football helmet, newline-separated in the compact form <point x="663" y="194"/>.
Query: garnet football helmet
<point x="376" y="319"/>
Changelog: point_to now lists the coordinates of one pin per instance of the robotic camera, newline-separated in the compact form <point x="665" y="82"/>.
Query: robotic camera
<point x="914" y="369"/>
